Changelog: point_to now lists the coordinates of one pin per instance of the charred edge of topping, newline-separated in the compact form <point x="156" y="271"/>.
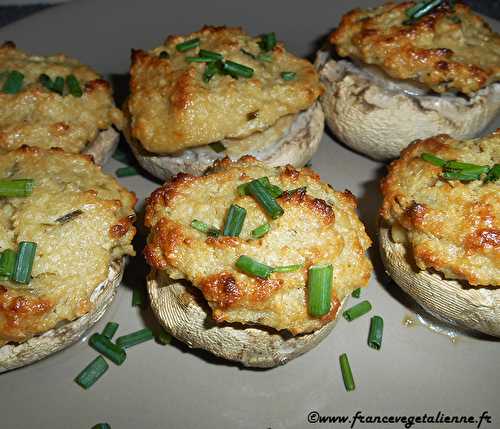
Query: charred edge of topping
<point x="483" y="239"/>
<point x="121" y="228"/>
<point x="221" y="290"/>
<point x="96" y="85"/>
<point x="317" y="205"/>
<point x="164" y="239"/>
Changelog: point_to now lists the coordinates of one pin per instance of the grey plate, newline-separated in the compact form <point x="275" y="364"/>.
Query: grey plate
<point x="416" y="372"/>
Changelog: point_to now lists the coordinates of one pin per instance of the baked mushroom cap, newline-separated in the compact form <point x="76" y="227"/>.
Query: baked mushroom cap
<point x="82" y="223"/>
<point x="399" y="80"/>
<point x="42" y="111"/>
<point x="319" y="225"/>
<point x="440" y="238"/>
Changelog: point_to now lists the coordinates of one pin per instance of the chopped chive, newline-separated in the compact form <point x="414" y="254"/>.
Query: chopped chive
<point x="188" y="45"/>
<point x="135" y="338"/>
<point x="319" y="289"/>
<point x="101" y="426"/>
<point x="376" y="332"/>
<point x="201" y="60"/>
<point x="357" y="311"/>
<point x="425" y="9"/>
<point x="163" y="338"/>
<point x="234" y="221"/>
<point x="466" y="167"/>
<point x="252" y="267"/>
<point x="288" y="75"/>
<point x="237" y="69"/>
<point x="7" y="263"/>
<point x="138" y="297"/>
<point x="45" y="81"/>
<point x="461" y="175"/>
<point x="210" y="54"/>
<point x="58" y="85"/>
<point x="126" y="171"/>
<point x="260" y="231"/>
<point x="217" y="147"/>
<point x="210" y="71"/>
<point x="248" y="53"/>
<point x="16" y="188"/>
<point x="356" y="293"/>
<point x="92" y="372"/>
<point x="265" y="198"/>
<point x="164" y="55"/>
<point x="24" y="262"/>
<point x="110" y="329"/>
<point x="73" y="86"/>
<point x="112" y="351"/>
<point x="266" y="58"/>
<point x="69" y="216"/>
<point x="274" y="190"/>
<point x="434" y="160"/>
<point x="494" y="174"/>
<point x="287" y="268"/>
<point x="14" y="83"/>
<point x="345" y="368"/>
<point x="203" y="227"/>
<point x="267" y="42"/>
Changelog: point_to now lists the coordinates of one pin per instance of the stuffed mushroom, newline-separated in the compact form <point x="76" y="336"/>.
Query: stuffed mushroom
<point x="220" y="92"/>
<point x="400" y="72"/>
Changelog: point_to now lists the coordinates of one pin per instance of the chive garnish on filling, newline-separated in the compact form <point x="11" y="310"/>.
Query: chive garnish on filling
<point x="237" y="70"/>
<point x="319" y="289"/>
<point x="69" y="216"/>
<point x="134" y="338"/>
<point x="356" y="293"/>
<point x="357" y="311"/>
<point x="456" y="170"/>
<point x="267" y="42"/>
<point x="260" y="231"/>
<point x="16" y="188"/>
<point x="201" y="59"/>
<point x="110" y="329"/>
<point x="420" y="9"/>
<point x="274" y="190"/>
<point x="376" y="332"/>
<point x="253" y="268"/>
<point x="345" y="368"/>
<point x="203" y="227"/>
<point x="24" y="262"/>
<point x="288" y="75"/>
<point x="13" y="83"/>
<point x="265" y="198"/>
<point x="210" y="71"/>
<point x="210" y="54"/>
<point x="287" y="268"/>
<point x="234" y="221"/>
<point x="7" y="264"/>
<point x="92" y="372"/>
<point x="58" y="85"/>
<point x="217" y="147"/>
<point x="45" y="81"/>
<point x="107" y="348"/>
<point x="164" y="55"/>
<point x="188" y="45"/>
<point x="73" y="86"/>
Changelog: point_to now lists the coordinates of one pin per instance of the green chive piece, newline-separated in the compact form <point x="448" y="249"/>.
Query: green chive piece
<point x="288" y="75"/>
<point x="210" y="54"/>
<point x="260" y="231"/>
<point x="434" y="160"/>
<point x="126" y="171"/>
<point x="73" y="86"/>
<point x="253" y="268"/>
<point x="494" y="174"/>
<point x="356" y="293"/>
<point x="345" y="368"/>
<point x="112" y="351"/>
<point x="210" y="71"/>
<point x="287" y="268"/>
<point x="45" y="81"/>
<point x="466" y="167"/>
<point x="135" y="338"/>
<point x="203" y="227"/>
<point x="188" y="45"/>
<point x="266" y="58"/>
<point x="14" y="83"/>
<point x="24" y="262"/>
<point x="163" y="338"/>
<point x="461" y="175"/>
<point x="319" y="288"/>
<point x="7" y="263"/>
<point x="58" y="85"/>
<point x="237" y="69"/>
<point x="357" y="311"/>
<point x="428" y="6"/>
<point x="68" y="217"/>
<point x="248" y="53"/>
<point x="262" y="195"/>
<point x="234" y="221"/>
<point x="138" y="297"/>
<point x="101" y="426"/>
<point x="16" y="188"/>
<point x="274" y="190"/>
<point x="217" y="147"/>
<point x="110" y="329"/>
<point x="92" y="372"/>
<point x="201" y="60"/>
<point x="376" y="332"/>
<point x="267" y="42"/>
<point x="164" y="55"/>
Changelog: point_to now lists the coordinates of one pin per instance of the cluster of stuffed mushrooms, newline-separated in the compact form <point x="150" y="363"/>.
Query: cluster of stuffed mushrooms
<point x="241" y="233"/>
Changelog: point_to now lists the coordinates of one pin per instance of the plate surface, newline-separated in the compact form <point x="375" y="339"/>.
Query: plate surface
<point x="417" y="371"/>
